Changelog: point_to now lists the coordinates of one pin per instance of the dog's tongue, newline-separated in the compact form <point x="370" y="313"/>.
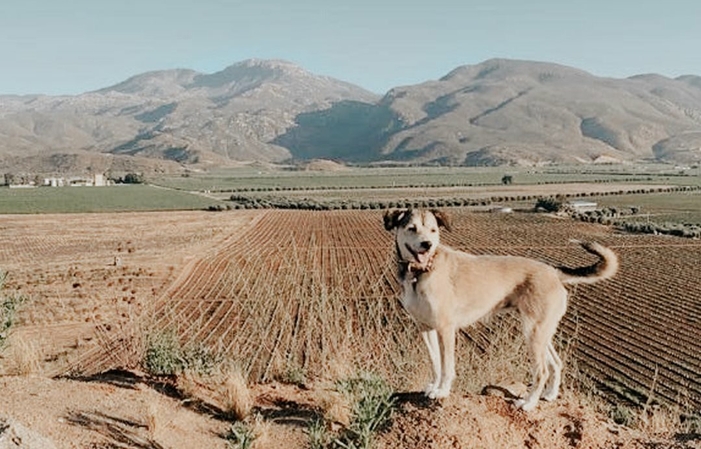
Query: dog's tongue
<point x="422" y="258"/>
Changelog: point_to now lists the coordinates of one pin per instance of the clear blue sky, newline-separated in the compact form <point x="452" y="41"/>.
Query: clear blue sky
<point x="73" y="46"/>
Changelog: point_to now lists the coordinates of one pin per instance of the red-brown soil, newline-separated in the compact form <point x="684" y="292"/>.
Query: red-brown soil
<point x="317" y="290"/>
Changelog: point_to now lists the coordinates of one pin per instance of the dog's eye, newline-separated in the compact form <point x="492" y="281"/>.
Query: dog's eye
<point x="434" y="230"/>
<point x="411" y="228"/>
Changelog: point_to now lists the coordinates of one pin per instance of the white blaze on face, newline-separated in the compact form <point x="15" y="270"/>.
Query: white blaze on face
<point x="419" y="237"/>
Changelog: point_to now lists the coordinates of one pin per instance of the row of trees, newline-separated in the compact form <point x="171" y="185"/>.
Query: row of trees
<point x="505" y="180"/>
<point x="620" y="217"/>
<point x="272" y="202"/>
<point x="616" y="216"/>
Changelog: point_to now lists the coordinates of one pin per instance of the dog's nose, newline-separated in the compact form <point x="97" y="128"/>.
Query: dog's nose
<point x="426" y="244"/>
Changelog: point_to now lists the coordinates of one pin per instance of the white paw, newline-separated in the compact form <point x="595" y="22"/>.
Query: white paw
<point x="429" y="388"/>
<point x="525" y="405"/>
<point x="550" y="396"/>
<point x="439" y="393"/>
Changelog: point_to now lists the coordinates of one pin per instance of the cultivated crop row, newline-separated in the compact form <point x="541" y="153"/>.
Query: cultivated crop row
<point x="317" y="291"/>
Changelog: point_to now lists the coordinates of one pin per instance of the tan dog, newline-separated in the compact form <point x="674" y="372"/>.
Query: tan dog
<point x="446" y="289"/>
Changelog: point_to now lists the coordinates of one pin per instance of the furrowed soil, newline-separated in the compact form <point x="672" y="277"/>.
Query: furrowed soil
<point x="92" y="279"/>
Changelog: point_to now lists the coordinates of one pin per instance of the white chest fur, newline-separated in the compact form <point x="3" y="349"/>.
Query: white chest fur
<point x="417" y="302"/>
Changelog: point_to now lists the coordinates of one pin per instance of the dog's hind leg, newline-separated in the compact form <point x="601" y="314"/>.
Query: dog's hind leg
<point x="552" y="388"/>
<point x="434" y="351"/>
<point x="539" y="327"/>
<point x="538" y="338"/>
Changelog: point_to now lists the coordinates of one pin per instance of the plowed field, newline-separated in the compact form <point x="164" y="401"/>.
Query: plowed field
<point x="317" y="291"/>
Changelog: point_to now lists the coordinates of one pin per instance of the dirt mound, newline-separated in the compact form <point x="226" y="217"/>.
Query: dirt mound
<point x="122" y="409"/>
<point x="490" y="422"/>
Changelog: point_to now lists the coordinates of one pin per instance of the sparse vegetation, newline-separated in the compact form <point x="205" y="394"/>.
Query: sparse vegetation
<point x="252" y="434"/>
<point x="241" y="436"/>
<point x="319" y="437"/>
<point x="372" y="407"/>
<point x="9" y="303"/>
<point x="23" y="357"/>
<point x="294" y="375"/>
<point x="234" y="394"/>
<point x="165" y="355"/>
<point x="623" y="415"/>
<point x="550" y="204"/>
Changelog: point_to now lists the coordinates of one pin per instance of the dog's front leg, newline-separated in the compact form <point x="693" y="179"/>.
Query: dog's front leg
<point x="431" y="339"/>
<point x="446" y="341"/>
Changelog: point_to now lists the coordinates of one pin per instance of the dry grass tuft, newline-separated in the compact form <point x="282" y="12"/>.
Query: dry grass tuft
<point x="154" y="424"/>
<point x="497" y="356"/>
<point x="339" y="365"/>
<point x="262" y="433"/>
<point x="234" y="394"/>
<point x="23" y="357"/>
<point x="190" y="384"/>
<point x="335" y="407"/>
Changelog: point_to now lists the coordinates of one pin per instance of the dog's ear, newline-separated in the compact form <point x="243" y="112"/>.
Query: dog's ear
<point x="442" y="219"/>
<point x="393" y="218"/>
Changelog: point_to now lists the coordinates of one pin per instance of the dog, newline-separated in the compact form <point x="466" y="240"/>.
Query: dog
<point x="445" y="290"/>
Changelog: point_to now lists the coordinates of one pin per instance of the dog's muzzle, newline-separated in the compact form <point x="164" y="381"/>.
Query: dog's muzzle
<point x="422" y="258"/>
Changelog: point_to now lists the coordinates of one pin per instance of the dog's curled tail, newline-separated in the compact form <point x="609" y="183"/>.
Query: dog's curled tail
<point x="605" y="268"/>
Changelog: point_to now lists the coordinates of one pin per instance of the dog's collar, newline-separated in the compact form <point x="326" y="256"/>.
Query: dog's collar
<point x="410" y="270"/>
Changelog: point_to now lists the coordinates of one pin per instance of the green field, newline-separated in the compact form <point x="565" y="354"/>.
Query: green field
<point x="677" y="207"/>
<point x="97" y="199"/>
<point x="354" y="184"/>
<point x="359" y="178"/>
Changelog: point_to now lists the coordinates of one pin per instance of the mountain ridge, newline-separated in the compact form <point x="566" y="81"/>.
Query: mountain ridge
<point x="500" y="111"/>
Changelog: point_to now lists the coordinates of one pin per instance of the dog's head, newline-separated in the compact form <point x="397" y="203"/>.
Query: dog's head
<point x="418" y="233"/>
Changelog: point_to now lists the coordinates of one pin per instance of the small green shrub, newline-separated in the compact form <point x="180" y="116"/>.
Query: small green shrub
<point x="622" y="415"/>
<point x="165" y="356"/>
<point x="549" y="204"/>
<point x="240" y="436"/>
<point x="318" y="435"/>
<point x="8" y="310"/>
<point x="372" y="409"/>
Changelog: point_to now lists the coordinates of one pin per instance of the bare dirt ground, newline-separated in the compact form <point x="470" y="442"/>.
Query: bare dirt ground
<point x="87" y="276"/>
<point x="127" y="411"/>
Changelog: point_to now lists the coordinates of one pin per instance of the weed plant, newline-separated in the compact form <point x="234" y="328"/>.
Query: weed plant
<point x="318" y="435"/>
<point x="372" y="409"/>
<point x="240" y="436"/>
<point x="8" y="310"/>
<point x="165" y="355"/>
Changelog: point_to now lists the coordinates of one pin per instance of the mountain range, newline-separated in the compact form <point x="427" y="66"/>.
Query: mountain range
<point x="496" y="112"/>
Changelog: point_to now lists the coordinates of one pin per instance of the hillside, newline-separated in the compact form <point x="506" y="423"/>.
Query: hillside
<point x="514" y="112"/>
<point x="180" y="116"/>
<point x="497" y="112"/>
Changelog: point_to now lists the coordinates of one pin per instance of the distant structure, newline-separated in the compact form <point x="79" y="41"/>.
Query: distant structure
<point x="501" y="210"/>
<point x="582" y="206"/>
<point x="97" y="180"/>
<point x="54" y="182"/>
